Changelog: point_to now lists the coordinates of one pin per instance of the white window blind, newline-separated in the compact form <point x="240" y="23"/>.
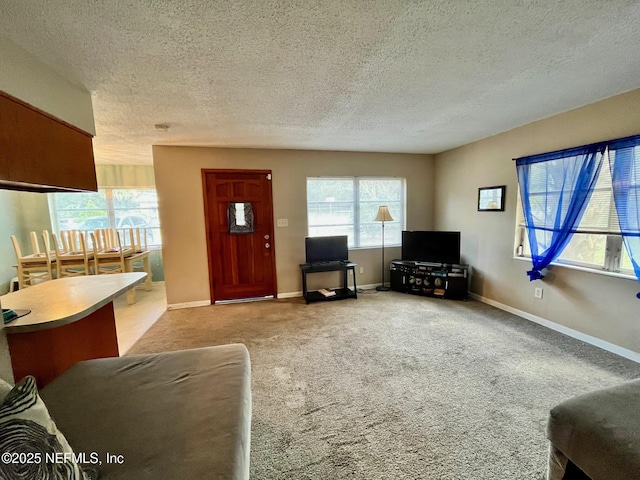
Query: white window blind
<point x="348" y="205"/>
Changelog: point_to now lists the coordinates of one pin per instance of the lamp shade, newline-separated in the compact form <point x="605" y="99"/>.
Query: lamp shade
<point x="383" y="214"/>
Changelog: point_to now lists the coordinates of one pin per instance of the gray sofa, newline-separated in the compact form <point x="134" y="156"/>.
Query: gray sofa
<point x="181" y="415"/>
<point x="596" y="435"/>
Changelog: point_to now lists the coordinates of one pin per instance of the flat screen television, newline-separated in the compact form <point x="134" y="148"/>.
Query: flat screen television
<point x="326" y="249"/>
<point x="431" y="246"/>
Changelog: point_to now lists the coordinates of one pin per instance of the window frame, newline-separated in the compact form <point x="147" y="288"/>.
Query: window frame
<point x="356" y="202"/>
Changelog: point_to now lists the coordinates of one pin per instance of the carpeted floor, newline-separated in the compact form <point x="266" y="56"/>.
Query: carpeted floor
<point x="392" y="386"/>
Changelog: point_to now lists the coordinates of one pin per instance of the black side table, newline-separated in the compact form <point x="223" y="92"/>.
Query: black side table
<point x="340" y="293"/>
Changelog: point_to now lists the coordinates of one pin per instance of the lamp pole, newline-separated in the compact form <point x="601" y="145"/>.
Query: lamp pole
<point x="382" y="216"/>
<point x="383" y="287"/>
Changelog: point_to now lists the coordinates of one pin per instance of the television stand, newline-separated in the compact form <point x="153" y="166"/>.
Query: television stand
<point x="430" y="279"/>
<point x="339" y="293"/>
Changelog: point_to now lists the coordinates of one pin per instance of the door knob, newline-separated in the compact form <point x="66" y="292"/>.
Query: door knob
<point x="266" y="237"/>
<point x="266" y="245"/>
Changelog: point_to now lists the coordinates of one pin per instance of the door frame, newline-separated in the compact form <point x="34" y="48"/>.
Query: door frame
<point x="207" y="226"/>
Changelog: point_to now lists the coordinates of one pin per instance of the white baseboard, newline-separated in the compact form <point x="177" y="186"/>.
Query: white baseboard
<point x="289" y="294"/>
<point x="177" y="306"/>
<point x="596" y="342"/>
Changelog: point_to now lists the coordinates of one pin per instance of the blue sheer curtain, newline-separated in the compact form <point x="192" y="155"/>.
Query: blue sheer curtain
<point x="555" y="189"/>
<point x="624" y="161"/>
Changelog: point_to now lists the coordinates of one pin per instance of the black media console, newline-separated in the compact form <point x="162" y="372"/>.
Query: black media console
<point x="430" y="279"/>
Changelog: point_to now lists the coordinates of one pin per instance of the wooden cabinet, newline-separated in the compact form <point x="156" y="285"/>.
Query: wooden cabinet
<point x="41" y="153"/>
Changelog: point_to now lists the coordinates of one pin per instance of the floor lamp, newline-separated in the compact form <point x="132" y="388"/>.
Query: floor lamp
<point x="383" y="216"/>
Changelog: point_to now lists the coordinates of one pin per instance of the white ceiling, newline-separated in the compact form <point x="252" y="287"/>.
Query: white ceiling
<point x="365" y="75"/>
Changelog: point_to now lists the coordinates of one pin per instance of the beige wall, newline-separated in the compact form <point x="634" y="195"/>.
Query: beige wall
<point x="179" y="187"/>
<point x="597" y="305"/>
<point x="25" y="77"/>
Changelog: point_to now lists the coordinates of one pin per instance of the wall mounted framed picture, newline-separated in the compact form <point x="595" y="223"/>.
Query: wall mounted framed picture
<point x="491" y="199"/>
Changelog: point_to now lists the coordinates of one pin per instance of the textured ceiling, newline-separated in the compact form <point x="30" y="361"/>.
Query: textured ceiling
<point x="375" y="75"/>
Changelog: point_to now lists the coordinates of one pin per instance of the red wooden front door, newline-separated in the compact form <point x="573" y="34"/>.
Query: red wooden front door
<point x="241" y="254"/>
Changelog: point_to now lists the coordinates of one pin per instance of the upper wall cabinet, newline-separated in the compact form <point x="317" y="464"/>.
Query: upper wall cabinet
<point x="41" y="153"/>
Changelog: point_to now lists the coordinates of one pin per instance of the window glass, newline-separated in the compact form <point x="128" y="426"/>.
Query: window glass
<point x="108" y="208"/>
<point x="372" y="194"/>
<point x="588" y="246"/>
<point x="625" y="262"/>
<point x="74" y="208"/>
<point x="137" y="208"/>
<point x="585" y="249"/>
<point x="348" y="206"/>
<point x="330" y="206"/>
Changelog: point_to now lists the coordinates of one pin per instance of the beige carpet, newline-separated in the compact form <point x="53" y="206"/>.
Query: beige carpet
<point x="392" y="386"/>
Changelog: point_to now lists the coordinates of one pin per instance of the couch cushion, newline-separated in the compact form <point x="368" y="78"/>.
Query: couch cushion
<point x="28" y="433"/>
<point x="4" y="389"/>
<point x="600" y="431"/>
<point x="184" y="414"/>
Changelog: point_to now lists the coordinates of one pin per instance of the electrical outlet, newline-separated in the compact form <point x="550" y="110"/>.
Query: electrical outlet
<point x="361" y="269"/>
<point x="537" y="292"/>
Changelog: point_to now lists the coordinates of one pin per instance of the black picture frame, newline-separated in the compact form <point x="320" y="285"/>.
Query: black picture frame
<point x="491" y="199"/>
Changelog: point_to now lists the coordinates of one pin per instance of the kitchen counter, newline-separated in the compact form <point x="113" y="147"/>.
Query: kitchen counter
<point x="66" y="300"/>
<point x="71" y="320"/>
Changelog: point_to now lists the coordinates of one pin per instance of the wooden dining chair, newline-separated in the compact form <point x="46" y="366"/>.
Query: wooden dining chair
<point x="64" y="245"/>
<point x="73" y="240"/>
<point x="103" y="239"/>
<point x="109" y="260"/>
<point x="138" y="260"/>
<point x="132" y="240"/>
<point x="46" y="239"/>
<point x="35" y="245"/>
<point x="34" y="268"/>
<point x="139" y="239"/>
<point x="74" y="263"/>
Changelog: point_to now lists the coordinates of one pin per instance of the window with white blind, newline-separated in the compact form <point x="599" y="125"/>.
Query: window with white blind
<point x="348" y="205"/>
